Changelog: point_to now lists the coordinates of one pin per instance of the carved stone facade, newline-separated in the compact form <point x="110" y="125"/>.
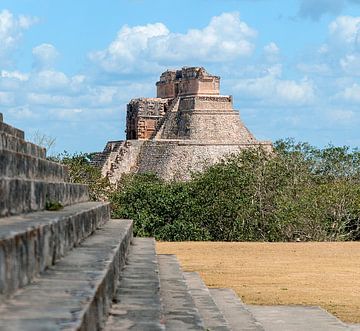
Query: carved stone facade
<point x="143" y="116"/>
<point x="186" y="128"/>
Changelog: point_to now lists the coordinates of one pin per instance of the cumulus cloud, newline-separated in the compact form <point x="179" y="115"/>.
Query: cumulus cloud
<point x="150" y="47"/>
<point x="17" y="75"/>
<point x="270" y="89"/>
<point x="44" y="56"/>
<point x="11" y="30"/>
<point x="345" y="30"/>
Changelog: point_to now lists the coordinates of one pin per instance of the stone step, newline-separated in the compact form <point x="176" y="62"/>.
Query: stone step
<point x="76" y="293"/>
<point x="296" y="318"/>
<point x="209" y="311"/>
<point x="30" y="243"/>
<point x="234" y="311"/>
<point x="137" y="303"/>
<point x="22" y="195"/>
<point x="180" y="312"/>
<point x="12" y="143"/>
<point x="11" y="130"/>
<point x="18" y="165"/>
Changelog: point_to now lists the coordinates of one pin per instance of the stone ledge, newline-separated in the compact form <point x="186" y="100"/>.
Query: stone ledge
<point x="209" y="311"/>
<point x="31" y="243"/>
<point x="22" y="196"/>
<point x="137" y="299"/>
<point x="12" y="143"/>
<point x="11" y="130"/>
<point x="180" y="312"/>
<point x="75" y="294"/>
<point x="13" y="164"/>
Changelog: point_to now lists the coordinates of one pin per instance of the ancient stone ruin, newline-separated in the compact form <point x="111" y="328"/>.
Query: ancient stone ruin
<point x="74" y="268"/>
<point x="187" y="127"/>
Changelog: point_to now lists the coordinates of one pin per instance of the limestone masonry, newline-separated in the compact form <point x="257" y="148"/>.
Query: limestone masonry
<point x="187" y="127"/>
<point x="76" y="269"/>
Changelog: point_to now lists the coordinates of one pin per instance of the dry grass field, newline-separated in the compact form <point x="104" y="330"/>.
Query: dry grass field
<point x="323" y="274"/>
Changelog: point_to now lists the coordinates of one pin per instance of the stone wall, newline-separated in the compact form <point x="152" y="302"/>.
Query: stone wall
<point x="178" y="159"/>
<point x="143" y="116"/>
<point x="187" y="81"/>
<point x="122" y="160"/>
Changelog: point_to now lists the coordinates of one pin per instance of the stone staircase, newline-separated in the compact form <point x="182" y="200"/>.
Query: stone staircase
<point x="167" y="125"/>
<point x="77" y="269"/>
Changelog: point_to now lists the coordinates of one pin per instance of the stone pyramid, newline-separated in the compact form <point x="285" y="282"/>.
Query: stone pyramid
<point x="187" y="127"/>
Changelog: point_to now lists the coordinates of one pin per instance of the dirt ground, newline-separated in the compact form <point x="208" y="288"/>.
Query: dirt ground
<point x="322" y="274"/>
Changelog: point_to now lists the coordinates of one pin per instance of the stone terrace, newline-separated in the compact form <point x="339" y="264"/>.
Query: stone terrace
<point x="77" y="269"/>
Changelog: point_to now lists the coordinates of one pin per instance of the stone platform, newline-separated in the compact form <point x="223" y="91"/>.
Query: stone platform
<point x="77" y="269"/>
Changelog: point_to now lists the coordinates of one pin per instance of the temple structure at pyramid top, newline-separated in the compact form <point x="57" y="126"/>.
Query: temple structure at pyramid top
<point x="188" y="126"/>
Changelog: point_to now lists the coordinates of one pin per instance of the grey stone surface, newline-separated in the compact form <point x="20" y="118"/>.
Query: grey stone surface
<point x="122" y="159"/>
<point x="11" y="130"/>
<point x="30" y="243"/>
<point x="19" y="165"/>
<point x="180" y="312"/>
<point x="137" y="303"/>
<point x="12" y="143"/>
<point x="209" y="311"/>
<point x="175" y="159"/>
<point x="75" y="294"/>
<point x="235" y="312"/>
<point x="19" y="195"/>
<point x="296" y="318"/>
<point x="354" y="327"/>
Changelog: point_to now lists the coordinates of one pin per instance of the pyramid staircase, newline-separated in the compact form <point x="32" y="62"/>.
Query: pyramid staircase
<point x="77" y="269"/>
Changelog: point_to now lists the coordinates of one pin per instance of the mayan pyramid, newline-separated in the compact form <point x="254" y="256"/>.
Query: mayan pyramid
<point x="187" y="127"/>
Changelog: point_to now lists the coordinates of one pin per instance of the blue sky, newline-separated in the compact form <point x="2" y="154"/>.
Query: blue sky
<point x="68" y="68"/>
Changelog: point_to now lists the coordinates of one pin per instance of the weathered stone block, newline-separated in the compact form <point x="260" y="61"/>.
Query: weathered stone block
<point x="30" y="243"/>
<point x="12" y="143"/>
<point x="22" y="196"/>
<point x="75" y="294"/>
<point x="18" y="165"/>
<point x="11" y="130"/>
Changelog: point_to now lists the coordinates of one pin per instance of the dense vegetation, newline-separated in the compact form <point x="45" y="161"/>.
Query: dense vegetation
<point x="298" y="193"/>
<point x="81" y="171"/>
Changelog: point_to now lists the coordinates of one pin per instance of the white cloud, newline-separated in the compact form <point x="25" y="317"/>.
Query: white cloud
<point x="350" y="63"/>
<point x="150" y="47"/>
<point x="350" y="94"/>
<point x="14" y="75"/>
<point x="45" y="56"/>
<point x="50" y="80"/>
<point x="22" y="112"/>
<point x="272" y="52"/>
<point x="345" y="30"/>
<point x="270" y="90"/>
<point x="11" y="29"/>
